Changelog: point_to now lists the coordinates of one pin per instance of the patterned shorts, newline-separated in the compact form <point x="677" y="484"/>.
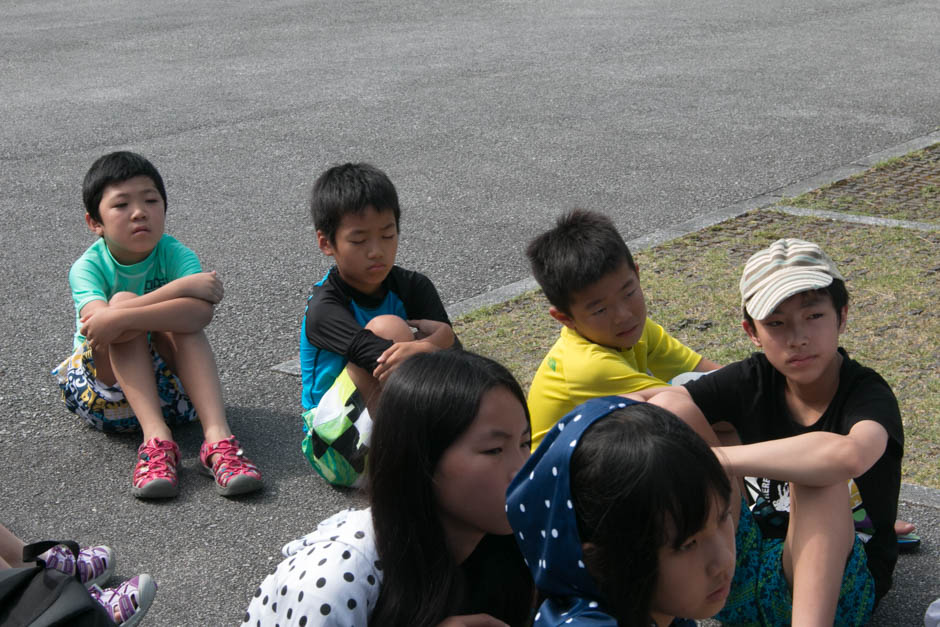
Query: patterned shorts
<point x="338" y="431"/>
<point x="104" y="407"/>
<point x="759" y="591"/>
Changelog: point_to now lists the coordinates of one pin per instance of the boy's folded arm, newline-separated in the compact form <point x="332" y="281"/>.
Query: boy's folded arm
<point x="203" y="285"/>
<point x="103" y="324"/>
<point x="435" y="332"/>
<point x="433" y="335"/>
<point x="818" y="458"/>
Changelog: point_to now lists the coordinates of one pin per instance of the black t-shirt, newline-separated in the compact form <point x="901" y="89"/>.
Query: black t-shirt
<point x="750" y="395"/>
<point x="331" y="321"/>
<point x="334" y="330"/>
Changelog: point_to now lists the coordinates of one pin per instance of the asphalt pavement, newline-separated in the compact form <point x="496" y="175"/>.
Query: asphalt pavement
<point x="491" y="117"/>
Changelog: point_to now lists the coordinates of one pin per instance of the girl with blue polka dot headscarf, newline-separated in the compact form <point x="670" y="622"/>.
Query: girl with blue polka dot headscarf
<point x="623" y="515"/>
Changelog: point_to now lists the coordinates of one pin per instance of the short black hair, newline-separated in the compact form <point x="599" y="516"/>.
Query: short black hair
<point x="116" y="167"/>
<point x="837" y="293"/>
<point x="350" y="188"/>
<point x="583" y="247"/>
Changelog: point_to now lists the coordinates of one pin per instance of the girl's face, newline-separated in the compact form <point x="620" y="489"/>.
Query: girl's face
<point x="471" y="479"/>
<point x="694" y="580"/>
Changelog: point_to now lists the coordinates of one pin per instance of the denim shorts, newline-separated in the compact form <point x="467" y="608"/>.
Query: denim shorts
<point x="759" y="591"/>
<point x="104" y="407"/>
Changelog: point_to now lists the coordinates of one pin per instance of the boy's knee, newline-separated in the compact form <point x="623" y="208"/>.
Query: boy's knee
<point x="122" y="296"/>
<point x="726" y="434"/>
<point x="391" y="328"/>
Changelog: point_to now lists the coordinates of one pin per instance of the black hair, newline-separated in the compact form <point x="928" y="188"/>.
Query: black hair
<point x="637" y="475"/>
<point x="116" y="167"/>
<point x="350" y="189"/>
<point x="837" y="292"/>
<point x="582" y="248"/>
<point x="426" y="404"/>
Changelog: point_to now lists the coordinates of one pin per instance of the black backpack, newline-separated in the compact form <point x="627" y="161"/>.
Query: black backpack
<point x="41" y="597"/>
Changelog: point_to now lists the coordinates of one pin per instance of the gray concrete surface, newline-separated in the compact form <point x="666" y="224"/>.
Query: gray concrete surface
<point x="491" y="117"/>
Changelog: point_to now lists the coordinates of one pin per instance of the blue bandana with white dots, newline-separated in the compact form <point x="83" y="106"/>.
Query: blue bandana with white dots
<point x="540" y="511"/>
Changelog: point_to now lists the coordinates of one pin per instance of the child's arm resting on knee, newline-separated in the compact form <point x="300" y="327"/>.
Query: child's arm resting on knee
<point x="205" y="286"/>
<point x="440" y="334"/>
<point x="104" y="324"/>
<point x="818" y="458"/>
<point x="432" y="335"/>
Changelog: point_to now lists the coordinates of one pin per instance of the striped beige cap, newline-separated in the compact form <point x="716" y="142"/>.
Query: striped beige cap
<point x="787" y="267"/>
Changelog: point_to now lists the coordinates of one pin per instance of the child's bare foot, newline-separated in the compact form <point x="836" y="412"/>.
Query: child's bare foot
<point x="902" y="527"/>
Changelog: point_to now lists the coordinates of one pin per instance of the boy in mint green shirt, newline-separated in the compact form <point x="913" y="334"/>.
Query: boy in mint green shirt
<point x="141" y="304"/>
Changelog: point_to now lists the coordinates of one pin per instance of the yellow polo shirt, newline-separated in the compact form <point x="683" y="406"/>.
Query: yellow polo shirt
<point x="576" y="370"/>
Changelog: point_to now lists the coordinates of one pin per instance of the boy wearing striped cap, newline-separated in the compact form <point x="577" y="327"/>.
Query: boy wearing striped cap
<point x="811" y="420"/>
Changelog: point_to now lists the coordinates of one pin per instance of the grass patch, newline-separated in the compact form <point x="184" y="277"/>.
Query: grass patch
<point x="691" y="287"/>
<point x="903" y="188"/>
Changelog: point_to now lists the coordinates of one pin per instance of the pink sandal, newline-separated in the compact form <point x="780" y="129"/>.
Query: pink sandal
<point x="233" y="472"/>
<point x="155" y="473"/>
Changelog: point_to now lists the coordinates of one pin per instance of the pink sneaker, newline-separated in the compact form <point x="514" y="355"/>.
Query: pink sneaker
<point x="128" y="602"/>
<point x="95" y="563"/>
<point x="234" y="473"/>
<point x="155" y="473"/>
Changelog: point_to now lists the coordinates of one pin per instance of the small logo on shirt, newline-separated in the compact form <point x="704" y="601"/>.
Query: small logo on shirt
<point x="153" y="284"/>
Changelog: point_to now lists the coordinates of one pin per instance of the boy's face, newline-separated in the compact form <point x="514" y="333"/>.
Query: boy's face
<point x="610" y="312"/>
<point x="133" y="215"/>
<point x="364" y="248"/>
<point x="801" y="337"/>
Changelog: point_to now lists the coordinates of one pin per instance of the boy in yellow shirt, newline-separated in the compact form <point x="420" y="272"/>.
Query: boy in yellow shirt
<point x="607" y="345"/>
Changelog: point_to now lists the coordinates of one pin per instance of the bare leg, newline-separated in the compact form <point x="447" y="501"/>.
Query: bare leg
<point x="819" y="540"/>
<point x="391" y="328"/>
<point x="728" y="436"/>
<point x="132" y="367"/>
<point x="190" y="356"/>
<point x="11" y="549"/>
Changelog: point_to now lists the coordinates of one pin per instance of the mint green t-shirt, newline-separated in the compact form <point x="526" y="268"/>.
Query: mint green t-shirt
<point x="97" y="276"/>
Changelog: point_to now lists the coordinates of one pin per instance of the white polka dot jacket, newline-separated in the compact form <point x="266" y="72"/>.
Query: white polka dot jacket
<point x="329" y="577"/>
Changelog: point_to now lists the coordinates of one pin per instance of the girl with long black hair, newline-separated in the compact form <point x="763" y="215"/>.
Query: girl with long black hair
<point x="434" y="548"/>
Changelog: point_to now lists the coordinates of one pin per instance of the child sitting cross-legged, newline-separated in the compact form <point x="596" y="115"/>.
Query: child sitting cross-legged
<point x="607" y="345"/>
<point x="823" y="436"/>
<point x="141" y="359"/>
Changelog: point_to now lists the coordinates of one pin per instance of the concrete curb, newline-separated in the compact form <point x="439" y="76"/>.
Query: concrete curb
<point x="847" y="217"/>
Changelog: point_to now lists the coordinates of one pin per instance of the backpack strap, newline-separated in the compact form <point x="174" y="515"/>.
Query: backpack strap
<point x="31" y="552"/>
